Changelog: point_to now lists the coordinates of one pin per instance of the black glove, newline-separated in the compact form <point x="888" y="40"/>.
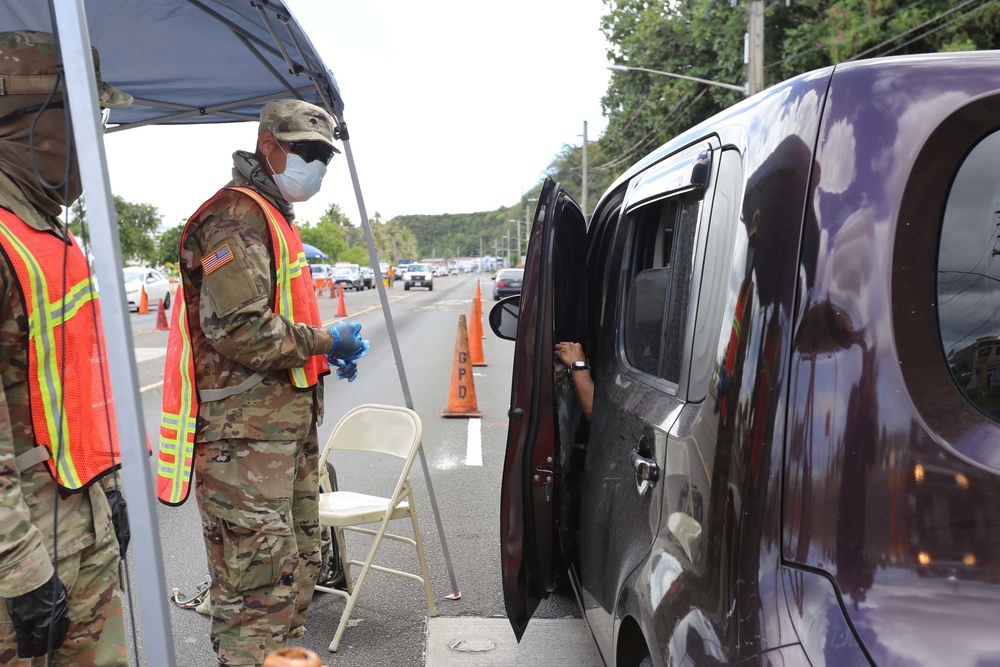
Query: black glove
<point x="37" y="613"/>
<point x="119" y="518"/>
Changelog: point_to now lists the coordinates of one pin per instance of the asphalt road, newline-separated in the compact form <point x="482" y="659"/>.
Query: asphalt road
<point x="390" y="620"/>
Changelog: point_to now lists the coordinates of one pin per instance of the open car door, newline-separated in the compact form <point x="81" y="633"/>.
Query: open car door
<point x="551" y="310"/>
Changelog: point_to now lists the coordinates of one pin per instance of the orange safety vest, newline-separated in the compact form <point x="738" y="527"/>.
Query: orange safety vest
<point x="65" y="341"/>
<point x="294" y="299"/>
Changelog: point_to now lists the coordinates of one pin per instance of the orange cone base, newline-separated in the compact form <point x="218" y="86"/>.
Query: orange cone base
<point x="448" y="413"/>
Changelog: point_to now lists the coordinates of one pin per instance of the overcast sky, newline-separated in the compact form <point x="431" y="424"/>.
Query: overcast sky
<point x="452" y="106"/>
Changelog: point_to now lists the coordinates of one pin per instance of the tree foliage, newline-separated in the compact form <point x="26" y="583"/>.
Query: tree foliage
<point x="704" y="38"/>
<point x="328" y="233"/>
<point x="137" y="224"/>
<point x="168" y="248"/>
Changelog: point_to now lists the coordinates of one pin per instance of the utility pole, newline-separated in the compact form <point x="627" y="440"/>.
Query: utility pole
<point x="755" y="47"/>
<point x="583" y="197"/>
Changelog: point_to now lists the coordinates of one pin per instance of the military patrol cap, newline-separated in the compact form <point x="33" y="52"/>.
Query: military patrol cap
<point x="29" y="62"/>
<point x="295" y="120"/>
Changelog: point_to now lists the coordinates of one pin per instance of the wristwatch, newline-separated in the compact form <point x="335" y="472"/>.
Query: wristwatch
<point x="580" y="366"/>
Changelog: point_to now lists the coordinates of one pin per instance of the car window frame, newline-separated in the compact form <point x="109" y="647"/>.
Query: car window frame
<point x="687" y="173"/>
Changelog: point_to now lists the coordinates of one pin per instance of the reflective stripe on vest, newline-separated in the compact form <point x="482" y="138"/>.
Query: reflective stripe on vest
<point x="180" y="410"/>
<point x="294" y="299"/>
<point x="78" y="427"/>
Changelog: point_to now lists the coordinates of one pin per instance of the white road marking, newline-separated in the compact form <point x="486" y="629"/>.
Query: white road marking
<point x="474" y="449"/>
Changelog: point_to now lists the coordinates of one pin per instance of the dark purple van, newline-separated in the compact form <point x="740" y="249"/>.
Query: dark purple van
<point x="792" y="316"/>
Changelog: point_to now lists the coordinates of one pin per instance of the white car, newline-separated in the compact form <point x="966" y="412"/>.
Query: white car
<point x="418" y="275"/>
<point x="156" y="285"/>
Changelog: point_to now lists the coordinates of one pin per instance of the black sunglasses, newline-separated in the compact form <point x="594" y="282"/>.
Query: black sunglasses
<point x="24" y="111"/>
<point x="312" y="150"/>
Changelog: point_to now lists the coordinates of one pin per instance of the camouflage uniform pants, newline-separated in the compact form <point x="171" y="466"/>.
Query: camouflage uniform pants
<point x="260" y="515"/>
<point x="96" y="632"/>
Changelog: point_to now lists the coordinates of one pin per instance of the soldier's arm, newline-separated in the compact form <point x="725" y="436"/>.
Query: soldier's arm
<point x="24" y="560"/>
<point x="236" y="315"/>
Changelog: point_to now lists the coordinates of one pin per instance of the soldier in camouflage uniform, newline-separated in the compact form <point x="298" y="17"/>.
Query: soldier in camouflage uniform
<point x="83" y="539"/>
<point x="256" y="452"/>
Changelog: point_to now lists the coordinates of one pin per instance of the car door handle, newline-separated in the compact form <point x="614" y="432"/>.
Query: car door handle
<point x="647" y="472"/>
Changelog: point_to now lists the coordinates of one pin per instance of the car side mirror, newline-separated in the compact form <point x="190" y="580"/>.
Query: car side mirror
<point x="504" y="315"/>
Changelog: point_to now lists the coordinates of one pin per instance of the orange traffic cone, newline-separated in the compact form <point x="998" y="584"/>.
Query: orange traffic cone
<point x="479" y="312"/>
<point x="143" y="300"/>
<point x="462" y="396"/>
<point x="341" y="308"/>
<point x="161" y="317"/>
<point x="292" y="656"/>
<point x="476" y="339"/>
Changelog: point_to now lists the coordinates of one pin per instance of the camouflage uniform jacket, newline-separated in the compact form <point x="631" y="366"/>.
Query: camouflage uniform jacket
<point x="235" y="331"/>
<point x="27" y="499"/>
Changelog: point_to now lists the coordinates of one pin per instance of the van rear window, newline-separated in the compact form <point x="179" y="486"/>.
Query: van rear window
<point x="969" y="277"/>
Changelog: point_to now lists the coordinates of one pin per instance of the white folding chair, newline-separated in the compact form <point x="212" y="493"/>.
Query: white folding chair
<point x="383" y="429"/>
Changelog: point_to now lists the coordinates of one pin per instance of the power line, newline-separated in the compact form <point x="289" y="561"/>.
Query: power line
<point x="952" y="22"/>
<point x="877" y="21"/>
<point x="907" y="32"/>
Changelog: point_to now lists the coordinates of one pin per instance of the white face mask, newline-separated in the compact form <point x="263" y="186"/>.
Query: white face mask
<point x="300" y="180"/>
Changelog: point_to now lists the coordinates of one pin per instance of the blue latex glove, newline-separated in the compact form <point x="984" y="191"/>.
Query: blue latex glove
<point x="349" y="371"/>
<point x="346" y="339"/>
<point x="348" y="347"/>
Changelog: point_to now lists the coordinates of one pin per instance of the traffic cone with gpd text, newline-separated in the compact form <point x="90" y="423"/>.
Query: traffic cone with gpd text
<point x="161" y="317"/>
<point x="476" y="338"/>
<point x="143" y="300"/>
<point x="341" y="308"/>
<point x="462" y="395"/>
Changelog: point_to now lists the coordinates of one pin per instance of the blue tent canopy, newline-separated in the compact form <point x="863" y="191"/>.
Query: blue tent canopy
<point x="312" y="252"/>
<point x="195" y="61"/>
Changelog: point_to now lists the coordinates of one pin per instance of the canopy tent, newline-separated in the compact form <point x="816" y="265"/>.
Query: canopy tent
<point x="196" y="61"/>
<point x="184" y="61"/>
<point x="312" y="252"/>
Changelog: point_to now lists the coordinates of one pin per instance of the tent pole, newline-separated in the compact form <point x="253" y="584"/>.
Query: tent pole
<point x="81" y="87"/>
<point x="394" y="342"/>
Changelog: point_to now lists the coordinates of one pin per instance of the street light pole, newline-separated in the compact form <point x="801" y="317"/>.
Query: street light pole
<point x="583" y="197"/>
<point x="517" y="256"/>
<point x="626" y="68"/>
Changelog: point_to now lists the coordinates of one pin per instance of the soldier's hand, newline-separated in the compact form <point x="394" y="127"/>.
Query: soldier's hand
<point x="349" y="371"/>
<point x="38" y="613"/>
<point x="346" y="339"/>
<point x="348" y="346"/>
<point x="119" y="518"/>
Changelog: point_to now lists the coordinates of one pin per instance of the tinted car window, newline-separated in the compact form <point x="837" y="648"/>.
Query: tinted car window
<point x="661" y="244"/>
<point x="969" y="277"/>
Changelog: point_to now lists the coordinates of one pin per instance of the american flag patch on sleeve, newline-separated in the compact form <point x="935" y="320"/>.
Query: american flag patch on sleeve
<point x="222" y="256"/>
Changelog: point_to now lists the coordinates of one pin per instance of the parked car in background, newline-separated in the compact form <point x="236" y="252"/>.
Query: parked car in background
<point x="401" y="269"/>
<point x="320" y="271"/>
<point x="348" y="275"/>
<point x="156" y="285"/>
<point x="507" y="282"/>
<point x="367" y="277"/>
<point x="418" y="275"/>
<point x="789" y="316"/>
